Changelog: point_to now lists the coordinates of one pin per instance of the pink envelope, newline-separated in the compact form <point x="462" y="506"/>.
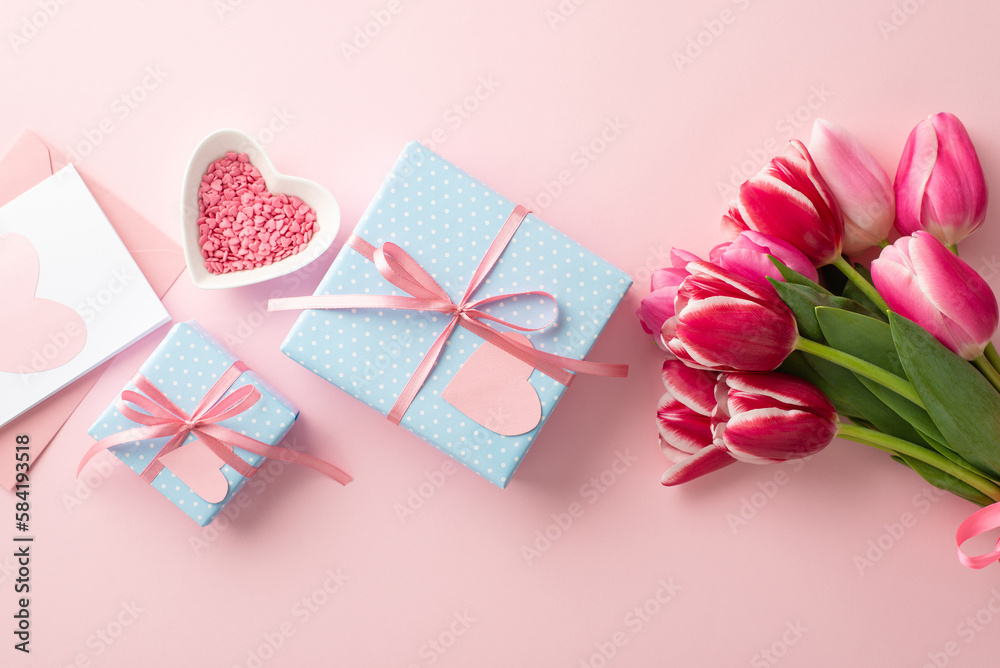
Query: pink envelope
<point x="29" y="162"/>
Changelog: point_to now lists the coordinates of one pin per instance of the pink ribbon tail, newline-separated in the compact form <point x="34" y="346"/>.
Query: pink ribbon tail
<point x="400" y="269"/>
<point x="978" y="523"/>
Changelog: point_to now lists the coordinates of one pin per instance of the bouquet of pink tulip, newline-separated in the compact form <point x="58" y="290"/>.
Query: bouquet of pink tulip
<point x="769" y="362"/>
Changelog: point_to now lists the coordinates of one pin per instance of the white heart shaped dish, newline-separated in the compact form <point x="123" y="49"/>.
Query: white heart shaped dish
<point x="215" y="146"/>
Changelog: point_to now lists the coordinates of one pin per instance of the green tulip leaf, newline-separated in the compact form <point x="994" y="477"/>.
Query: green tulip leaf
<point x="961" y="402"/>
<point x="944" y="450"/>
<point x="836" y="381"/>
<point x="795" y="278"/>
<point x="871" y="340"/>
<point x="860" y="335"/>
<point x="942" y="480"/>
<point x="907" y="410"/>
<point x="797" y="364"/>
<point x="803" y="301"/>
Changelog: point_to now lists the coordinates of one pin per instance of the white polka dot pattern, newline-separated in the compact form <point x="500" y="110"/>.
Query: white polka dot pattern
<point x="447" y="220"/>
<point x="185" y="365"/>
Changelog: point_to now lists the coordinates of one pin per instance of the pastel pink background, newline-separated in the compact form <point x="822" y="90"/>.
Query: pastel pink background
<point x="785" y="581"/>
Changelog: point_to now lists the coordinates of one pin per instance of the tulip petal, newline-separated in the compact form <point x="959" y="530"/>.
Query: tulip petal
<point x="732" y="221"/>
<point x="776" y="208"/>
<point x="656" y="308"/>
<point x="728" y="333"/>
<point x="784" y="388"/>
<point x="701" y="463"/>
<point x="953" y="288"/>
<point x="682" y="428"/>
<point x="915" y="167"/>
<point x="692" y="387"/>
<point x="895" y="280"/>
<point x="765" y="435"/>
<point x="667" y="277"/>
<point x="858" y="183"/>
<point x="955" y="197"/>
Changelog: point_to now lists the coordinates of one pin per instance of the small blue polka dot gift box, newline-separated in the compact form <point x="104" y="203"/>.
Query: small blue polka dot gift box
<point x="183" y="370"/>
<point x="456" y="314"/>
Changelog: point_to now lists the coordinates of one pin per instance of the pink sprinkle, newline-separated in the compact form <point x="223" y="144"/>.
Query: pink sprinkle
<point x="241" y="224"/>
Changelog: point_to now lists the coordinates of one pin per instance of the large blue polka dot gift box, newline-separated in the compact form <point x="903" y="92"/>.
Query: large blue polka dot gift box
<point x="185" y="368"/>
<point x="456" y="314"/>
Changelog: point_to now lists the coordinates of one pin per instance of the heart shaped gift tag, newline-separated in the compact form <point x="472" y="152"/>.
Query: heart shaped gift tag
<point x="37" y="334"/>
<point x="492" y="388"/>
<point x="200" y="469"/>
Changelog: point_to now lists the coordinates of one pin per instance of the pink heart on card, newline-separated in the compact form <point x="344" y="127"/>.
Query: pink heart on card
<point x="492" y="388"/>
<point x="38" y="334"/>
<point x="199" y="468"/>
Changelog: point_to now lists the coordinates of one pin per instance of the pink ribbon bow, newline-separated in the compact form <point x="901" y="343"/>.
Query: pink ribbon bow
<point x="163" y="418"/>
<point x="400" y="269"/>
<point x="979" y="522"/>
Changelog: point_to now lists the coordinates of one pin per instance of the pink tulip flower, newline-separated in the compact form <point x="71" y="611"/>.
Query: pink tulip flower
<point x="922" y="280"/>
<point x="723" y="322"/>
<point x="658" y="306"/>
<point x="771" y="417"/>
<point x="706" y="424"/>
<point x="858" y="183"/>
<point x="789" y="199"/>
<point x="940" y="185"/>
<point x="684" y="417"/>
<point x="747" y="256"/>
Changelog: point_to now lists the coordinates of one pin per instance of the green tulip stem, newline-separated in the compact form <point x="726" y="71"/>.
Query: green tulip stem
<point x="884" y="243"/>
<point x="877" y="439"/>
<point x="953" y="248"/>
<point x="987" y="369"/>
<point x="867" y="288"/>
<point x="900" y="386"/>
<point x="992" y="356"/>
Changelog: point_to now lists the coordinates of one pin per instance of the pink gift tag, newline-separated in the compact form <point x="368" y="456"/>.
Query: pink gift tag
<point x="200" y="469"/>
<point x="492" y="388"/>
<point x="37" y="334"/>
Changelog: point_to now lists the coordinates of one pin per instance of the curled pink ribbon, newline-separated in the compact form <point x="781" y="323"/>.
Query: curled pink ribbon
<point x="979" y="522"/>
<point x="163" y="418"/>
<point x="400" y="269"/>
